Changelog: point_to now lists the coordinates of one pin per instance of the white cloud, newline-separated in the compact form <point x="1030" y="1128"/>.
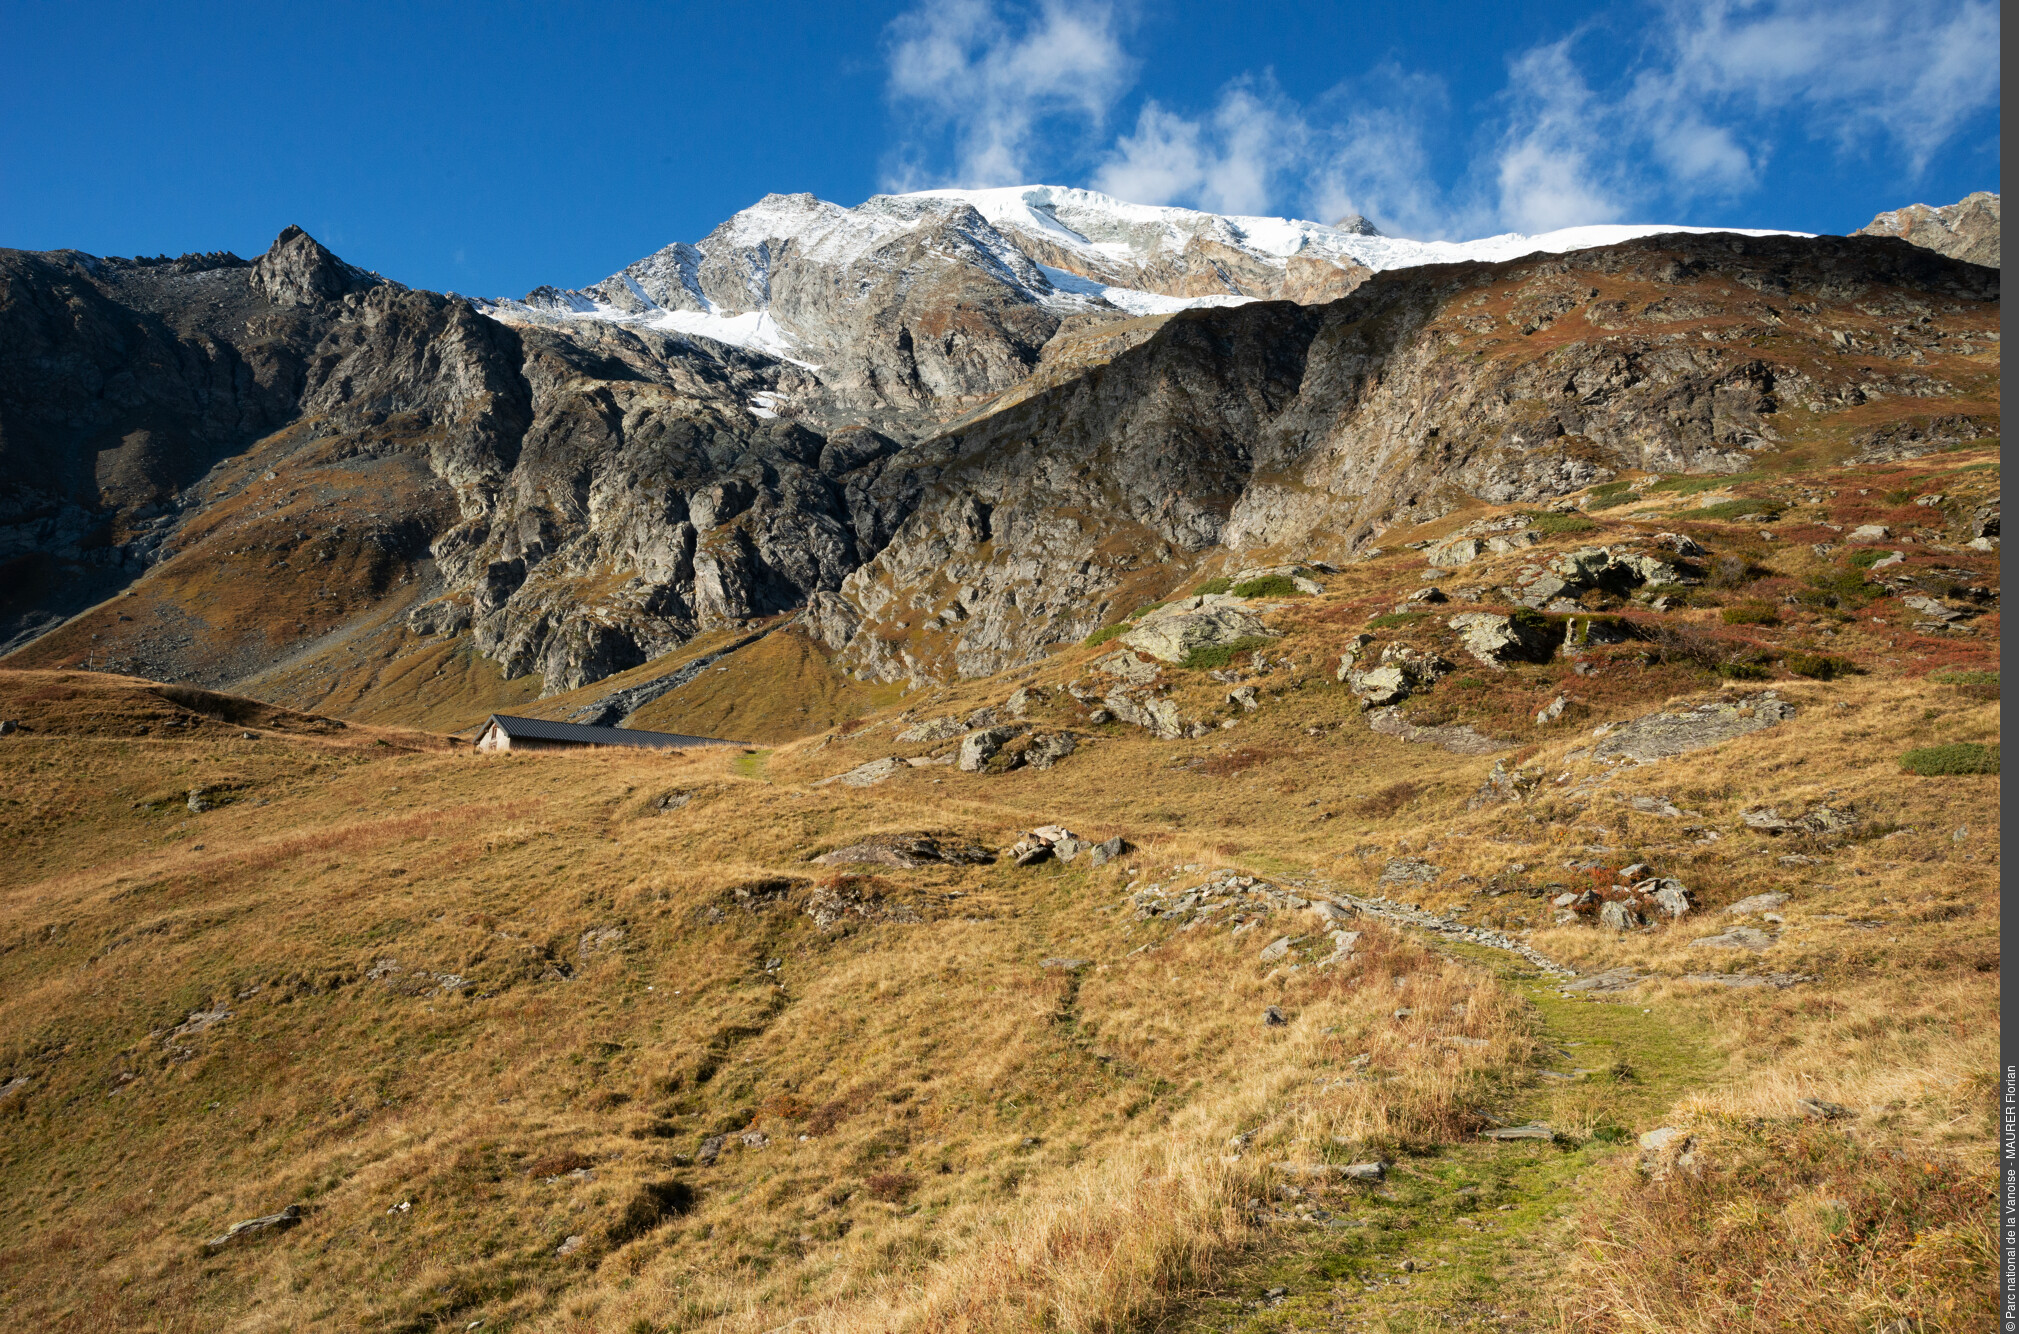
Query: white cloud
<point x="995" y="79"/>
<point x="1902" y="70"/>
<point x="1551" y="169"/>
<point x="1576" y="135"/>
<point x="1228" y="162"/>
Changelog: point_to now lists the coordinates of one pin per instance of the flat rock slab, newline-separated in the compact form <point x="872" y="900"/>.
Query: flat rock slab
<point x="1778" y="981"/>
<point x="1737" y="938"/>
<point x="279" y="1222"/>
<point x="1070" y="965"/>
<point x="1456" y="738"/>
<point x="1757" y="903"/>
<point x="1660" y="735"/>
<point x="868" y="775"/>
<point x="1518" y="1132"/>
<point x="909" y="852"/>
<point x="1613" y="979"/>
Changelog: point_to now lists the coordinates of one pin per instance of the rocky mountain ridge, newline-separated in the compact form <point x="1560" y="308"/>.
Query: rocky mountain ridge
<point x="292" y="469"/>
<point x="1966" y="230"/>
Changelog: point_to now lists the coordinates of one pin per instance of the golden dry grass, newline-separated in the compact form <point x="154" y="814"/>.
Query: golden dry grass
<point x="445" y="970"/>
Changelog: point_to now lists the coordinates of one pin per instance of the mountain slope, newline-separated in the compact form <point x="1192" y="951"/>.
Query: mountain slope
<point x="297" y="474"/>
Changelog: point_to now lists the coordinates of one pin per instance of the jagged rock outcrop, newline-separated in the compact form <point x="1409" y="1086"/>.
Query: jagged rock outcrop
<point x="1966" y="230"/>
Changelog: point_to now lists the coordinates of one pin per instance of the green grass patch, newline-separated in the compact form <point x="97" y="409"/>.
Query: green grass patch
<point x="1148" y="607"/>
<point x="1866" y="559"/>
<point x="1610" y="496"/>
<point x="1819" y="666"/>
<point x="1107" y="632"/>
<point x="1958" y="757"/>
<point x="1559" y="524"/>
<point x="1682" y="485"/>
<point x="1211" y="586"/>
<point x="1268" y="586"/>
<point x="1388" y="620"/>
<point x="1730" y="511"/>
<point x="1751" y="613"/>
<point x="1210" y="657"/>
<point x="751" y="763"/>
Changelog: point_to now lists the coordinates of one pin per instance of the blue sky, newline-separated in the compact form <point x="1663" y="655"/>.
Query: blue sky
<point x="489" y="148"/>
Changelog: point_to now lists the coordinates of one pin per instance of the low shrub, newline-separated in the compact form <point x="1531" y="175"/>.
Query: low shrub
<point x="1210" y="657"/>
<point x="1974" y="682"/>
<point x="1220" y="585"/>
<point x="890" y="1187"/>
<point x="1842" y="590"/>
<point x="1958" y="757"/>
<point x="1751" y="613"/>
<point x="1821" y="666"/>
<point x="1268" y="586"/>
<point x="1866" y="559"/>
<point x="653" y="1204"/>
<point x="1107" y="632"/>
<point x="1559" y="524"/>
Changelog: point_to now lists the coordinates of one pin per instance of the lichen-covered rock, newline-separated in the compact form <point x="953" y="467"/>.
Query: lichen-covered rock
<point x="1659" y="735"/>
<point x="977" y="748"/>
<point x="1194" y="623"/>
<point x="1496" y="640"/>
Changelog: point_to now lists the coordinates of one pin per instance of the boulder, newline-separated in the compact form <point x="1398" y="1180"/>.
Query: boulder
<point x="1171" y="633"/>
<point x="1870" y="532"/>
<point x="1456" y="552"/>
<point x="1128" y="667"/>
<point x="1495" y="639"/>
<point x="1658" y="1141"/>
<point x="280" y="1222"/>
<point x="1667" y="893"/>
<point x="1278" y="948"/>
<point x="1273" y="1017"/>
<point x="1024" y="699"/>
<point x="1048" y="748"/>
<point x="1157" y="716"/>
<point x="977" y="748"/>
<point x="1618" y="916"/>
<point x="1106" y="851"/>
<point x="1245" y="697"/>
<point x="1364" y="1171"/>
<point x="933" y="729"/>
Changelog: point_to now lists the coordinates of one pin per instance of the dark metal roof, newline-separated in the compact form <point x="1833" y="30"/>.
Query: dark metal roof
<point x="540" y="729"/>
